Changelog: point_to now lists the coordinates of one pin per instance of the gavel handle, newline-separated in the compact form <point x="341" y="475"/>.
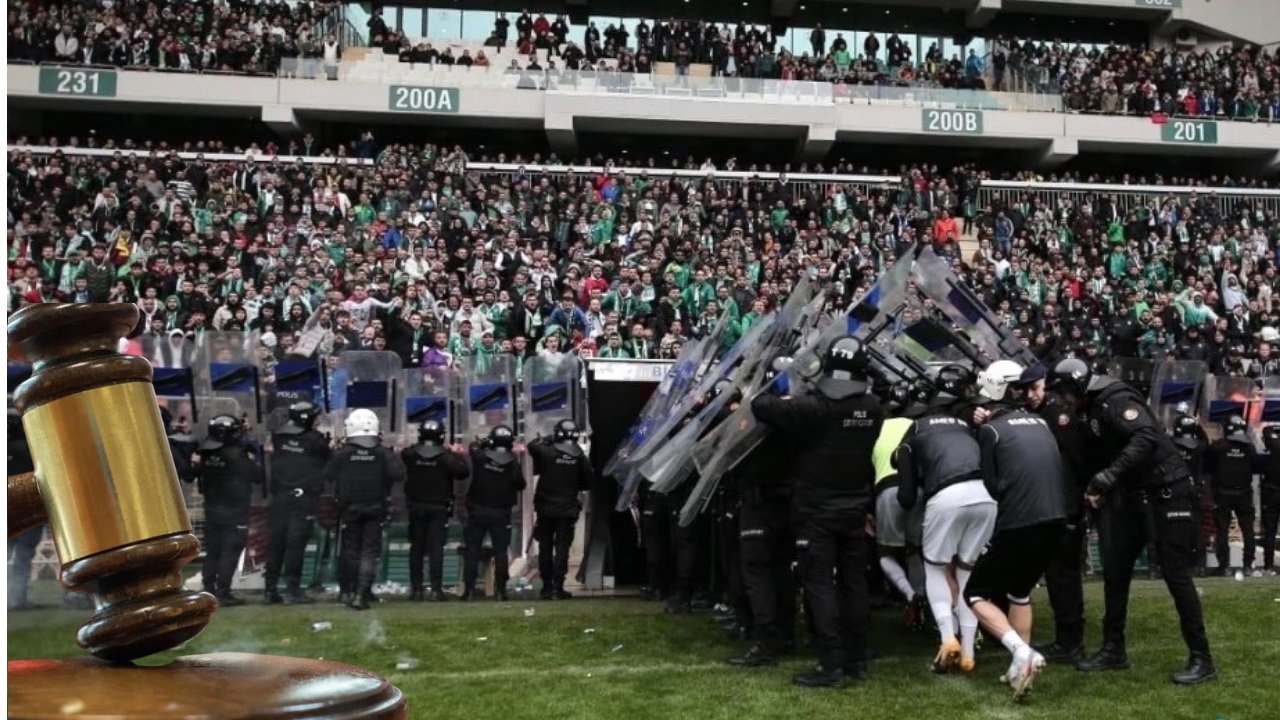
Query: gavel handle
<point x="26" y="510"/>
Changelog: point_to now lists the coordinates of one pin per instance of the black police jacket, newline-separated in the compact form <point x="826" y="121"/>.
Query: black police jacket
<point x="1231" y="465"/>
<point x="563" y="472"/>
<point x="432" y="471"/>
<point x="363" y="475"/>
<point x="227" y="477"/>
<point x="1068" y="432"/>
<point x="298" y="462"/>
<point x="937" y="451"/>
<point x="1271" y="467"/>
<point x="19" y="455"/>
<point x="766" y="473"/>
<point x="496" y="478"/>
<point x="833" y="435"/>
<point x="1022" y="469"/>
<point x="1126" y="439"/>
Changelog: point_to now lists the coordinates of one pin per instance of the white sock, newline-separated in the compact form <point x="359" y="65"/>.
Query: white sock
<point x="939" y="592"/>
<point x="964" y="614"/>
<point x="1013" y="642"/>
<point x="915" y="572"/>
<point x="893" y="570"/>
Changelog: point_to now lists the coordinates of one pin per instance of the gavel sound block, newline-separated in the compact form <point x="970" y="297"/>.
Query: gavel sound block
<point x="106" y="485"/>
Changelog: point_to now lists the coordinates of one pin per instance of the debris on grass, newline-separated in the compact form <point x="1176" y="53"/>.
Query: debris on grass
<point x="589" y="631"/>
<point x="322" y="626"/>
<point x="530" y="612"/>
<point x="482" y="639"/>
<point x="616" y="648"/>
<point x="407" y="663"/>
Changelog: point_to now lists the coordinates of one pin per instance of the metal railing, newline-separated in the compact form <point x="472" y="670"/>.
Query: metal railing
<point x="134" y="153"/>
<point x="1227" y="201"/>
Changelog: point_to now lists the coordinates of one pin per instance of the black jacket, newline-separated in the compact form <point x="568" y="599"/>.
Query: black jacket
<point x="363" y="476"/>
<point x="766" y="473"/>
<point x="1271" y="467"/>
<point x="1126" y="439"/>
<point x="833" y="437"/>
<point x="298" y="462"/>
<point x="227" y="476"/>
<point x="1068" y="431"/>
<point x="432" y="471"/>
<point x="1022" y="469"/>
<point x="938" y="451"/>
<point x="563" y="471"/>
<point x="1231" y="465"/>
<point x="496" y="477"/>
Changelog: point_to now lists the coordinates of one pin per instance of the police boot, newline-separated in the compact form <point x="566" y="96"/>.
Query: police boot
<point x="417" y="595"/>
<point x="857" y="670"/>
<point x="500" y="595"/>
<point x="756" y="656"/>
<point x="344" y="598"/>
<point x="1200" y="668"/>
<point x="1060" y="654"/>
<point x="561" y="593"/>
<point x="296" y="596"/>
<point x="469" y="595"/>
<point x="1110" y="657"/>
<point x="360" y="603"/>
<point x="548" y="592"/>
<point x="273" y="596"/>
<point x="822" y="676"/>
<point x="678" y="605"/>
<point x="228" y="600"/>
<point x="438" y="595"/>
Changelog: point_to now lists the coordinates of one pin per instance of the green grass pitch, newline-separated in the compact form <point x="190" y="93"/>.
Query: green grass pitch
<point x="623" y="658"/>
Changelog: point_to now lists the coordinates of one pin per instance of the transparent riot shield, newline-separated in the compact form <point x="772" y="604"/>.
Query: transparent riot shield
<point x="290" y="380"/>
<point x="489" y="393"/>
<point x="551" y="392"/>
<point x="1140" y="375"/>
<point x="1176" y="383"/>
<point x="1227" y="396"/>
<point x="230" y="372"/>
<point x="1268" y="413"/>
<point x="430" y="394"/>
<point x="369" y="380"/>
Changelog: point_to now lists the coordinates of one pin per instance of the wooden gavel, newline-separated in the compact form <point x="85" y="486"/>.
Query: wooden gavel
<point x="104" y="479"/>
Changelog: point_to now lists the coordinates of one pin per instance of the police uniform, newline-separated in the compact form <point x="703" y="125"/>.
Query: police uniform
<point x="1064" y="576"/>
<point x="656" y="536"/>
<point x="496" y="478"/>
<point x="362" y="473"/>
<point x="1270" y="496"/>
<point x="1029" y="487"/>
<point x="297" y="462"/>
<point x="226" y="477"/>
<point x="1193" y="444"/>
<point x="433" y="470"/>
<point x="833" y="429"/>
<point x="1146" y="488"/>
<point x="1231" y="463"/>
<point x="768" y="547"/>
<point x="563" y="472"/>
<point x="22" y="548"/>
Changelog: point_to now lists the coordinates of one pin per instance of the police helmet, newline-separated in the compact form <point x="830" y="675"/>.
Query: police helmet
<point x="566" y="431"/>
<point x="501" y="436"/>
<point x="954" y="382"/>
<point x="1185" y="426"/>
<point x="1271" y="432"/>
<point x="301" y="417"/>
<point x="1071" y="376"/>
<point x="897" y="396"/>
<point x="431" y="431"/>
<point x="994" y="382"/>
<point x="920" y="396"/>
<point x="845" y="360"/>
<point x="362" y="428"/>
<point x="1235" y="428"/>
<point x="224" y="430"/>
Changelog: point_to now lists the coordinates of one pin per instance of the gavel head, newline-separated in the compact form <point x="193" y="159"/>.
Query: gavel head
<point x="106" y="479"/>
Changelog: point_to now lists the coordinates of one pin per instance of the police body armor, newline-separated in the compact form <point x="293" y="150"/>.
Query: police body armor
<point x="1233" y="461"/>
<point x="563" y="472"/>
<point x="297" y="465"/>
<point x="362" y="476"/>
<point x="227" y="477"/>
<point x="1068" y="431"/>
<point x="432" y="469"/>
<point x="496" y="478"/>
<point x="856" y="415"/>
<point x="1130" y="414"/>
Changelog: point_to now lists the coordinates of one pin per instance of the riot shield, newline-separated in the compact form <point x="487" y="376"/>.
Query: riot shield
<point x="290" y="380"/>
<point x="1227" y="396"/>
<point x="551" y="392"/>
<point x="229" y="373"/>
<point x="370" y="380"/>
<point x="1140" y="375"/>
<point x="429" y="394"/>
<point x="489" y="393"/>
<point x="1175" y="383"/>
<point x="1268" y="413"/>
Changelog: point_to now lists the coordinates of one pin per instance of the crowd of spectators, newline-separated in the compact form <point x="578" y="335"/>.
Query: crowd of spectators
<point x="416" y="253"/>
<point x="1237" y="83"/>
<point x="226" y="36"/>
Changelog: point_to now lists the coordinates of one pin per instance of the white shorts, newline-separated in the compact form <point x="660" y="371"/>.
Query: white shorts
<point x="958" y="522"/>
<point x="896" y="527"/>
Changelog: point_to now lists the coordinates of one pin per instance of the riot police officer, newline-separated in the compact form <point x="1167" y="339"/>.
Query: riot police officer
<point x="433" y="471"/>
<point x="227" y="474"/>
<point x="1270" y="497"/>
<point x="496" y="478"/>
<point x="1231" y="462"/>
<point x="1064" y="577"/>
<point x="1140" y="481"/>
<point x="1193" y="444"/>
<point x="834" y="428"/>
<point x="299" y="454"/>
<point x="564" y="473"/>
<point x="22" y="548"/>
<point x="362" y="473"/>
